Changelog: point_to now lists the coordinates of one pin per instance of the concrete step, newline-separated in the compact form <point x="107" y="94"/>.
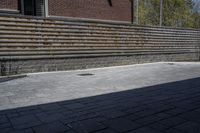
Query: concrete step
<point x="43" y="48"/>
<point x="15" y="32"/>
<point x="9" y="58"/>
<point x="27" y="44"/>
<point x="99" y="44"/>
<point x="95" y="42"/>
<point x="21" y="48"/>
<point x="89" y="37"/>
<point x="99" y="24"/>
<point x="68" y="27"/>
<point x="89" y="41"/>
<point x="5" y="33"/>
<point x="52" y="52"/>
<point x="43" y="30"/>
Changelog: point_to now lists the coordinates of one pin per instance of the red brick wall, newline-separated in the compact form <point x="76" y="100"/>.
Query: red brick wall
<point x="92" y="9"/>
<point x="9" y="4"/>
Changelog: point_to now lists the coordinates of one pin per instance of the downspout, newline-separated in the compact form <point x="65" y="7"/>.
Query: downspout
<point x="135" y="11"/>
<point x="199" y="45"/>
<point x="161" y="12"/>
<point x="22" y="7"/>
<point x="132" y="11"/>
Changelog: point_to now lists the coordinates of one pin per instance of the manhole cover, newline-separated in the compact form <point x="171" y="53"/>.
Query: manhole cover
<point x="86" y="74"/>
<point x="170" y="63"/>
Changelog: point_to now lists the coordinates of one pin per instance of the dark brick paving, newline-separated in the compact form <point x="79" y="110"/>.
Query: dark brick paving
<point x="167" y="108"/>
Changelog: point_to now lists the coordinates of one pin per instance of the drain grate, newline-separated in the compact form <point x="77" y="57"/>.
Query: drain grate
<point x="86" y="74"/>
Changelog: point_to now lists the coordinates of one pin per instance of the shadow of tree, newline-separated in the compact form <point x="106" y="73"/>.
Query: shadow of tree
<point x="171" y="107"/>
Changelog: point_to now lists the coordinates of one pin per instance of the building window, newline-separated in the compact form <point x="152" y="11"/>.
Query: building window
<point x="110" y="2"/>
<point x="33" y="7"/>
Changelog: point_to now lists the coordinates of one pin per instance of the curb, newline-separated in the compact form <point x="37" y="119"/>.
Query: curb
<point x="8" y="78"/>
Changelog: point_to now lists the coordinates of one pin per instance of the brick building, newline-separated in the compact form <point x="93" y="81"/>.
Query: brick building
<point x="112" y="10"/>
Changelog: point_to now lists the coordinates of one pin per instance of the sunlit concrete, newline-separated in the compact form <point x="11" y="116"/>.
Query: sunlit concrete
<point x="39" y="88"/>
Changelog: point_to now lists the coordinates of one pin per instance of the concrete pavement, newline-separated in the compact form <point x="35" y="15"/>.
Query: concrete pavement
<point x="155" y="97"/>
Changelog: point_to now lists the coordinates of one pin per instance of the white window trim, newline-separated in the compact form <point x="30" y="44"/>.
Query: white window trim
<point x="46" y="8"/>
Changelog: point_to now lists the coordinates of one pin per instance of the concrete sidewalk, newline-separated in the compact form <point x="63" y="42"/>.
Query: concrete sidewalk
<point x="156" y="97"/>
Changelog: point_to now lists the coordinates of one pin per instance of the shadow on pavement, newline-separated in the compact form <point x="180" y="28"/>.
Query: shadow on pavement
<point x="166" y="108"/>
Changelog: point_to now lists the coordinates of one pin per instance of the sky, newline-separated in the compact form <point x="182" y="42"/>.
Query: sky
<point x="197" y="5"/>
